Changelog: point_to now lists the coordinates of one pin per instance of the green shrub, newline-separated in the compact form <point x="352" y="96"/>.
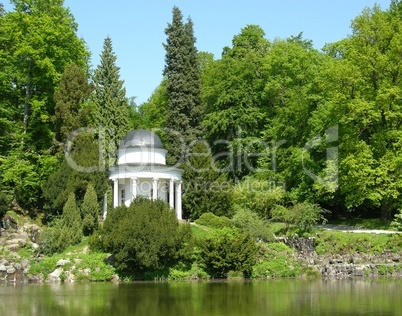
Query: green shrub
<point x="257" y="196"/>
<point x="235" y="275"/>
<point x="44" y="267"/>
<point x="397" y="222"/>
<point x="146" y="236"/>
<point x="52" y="238"/>
<point x="182" y="272"/>
<point x="227" y="250"/>
<point x="213" y="221"/>
<point x="303" y="215"/>
<point x="249" y="223"/>
<point x="95" y="241"/>
<point x="89" y="211"/>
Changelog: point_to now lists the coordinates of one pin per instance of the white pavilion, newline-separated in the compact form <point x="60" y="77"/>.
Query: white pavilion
<point x="141" y="170"/>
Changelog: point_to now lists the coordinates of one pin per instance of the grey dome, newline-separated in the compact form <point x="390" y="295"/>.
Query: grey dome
<point x="141" y="138"/>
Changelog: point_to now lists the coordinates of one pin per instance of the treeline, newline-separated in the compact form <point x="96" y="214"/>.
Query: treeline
<point x="266" y="123"/>
<point x="289" y="123"/>
<point x="55" y="111"/>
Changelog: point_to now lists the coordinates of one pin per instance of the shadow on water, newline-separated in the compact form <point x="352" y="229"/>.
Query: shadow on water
<point x="272" y="297"/>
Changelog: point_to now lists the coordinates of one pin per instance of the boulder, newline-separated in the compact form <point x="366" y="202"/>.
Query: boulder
<point x="55" y="275"/>
<point x="33" y="232"/>
<point x="62" y="262"/>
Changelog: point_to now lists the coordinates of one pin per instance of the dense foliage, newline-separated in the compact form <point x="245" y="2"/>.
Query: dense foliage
<point x="145" y="236"/>
<point x="183" y="84"/>
<point x="227" y="250"/>
<point x="271" y="129"/>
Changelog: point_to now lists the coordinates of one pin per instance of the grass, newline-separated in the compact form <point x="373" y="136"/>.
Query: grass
<point x="200" y="232"/>
<point x="276" y="260"/>
<point x="333" y="242"/>
<point x="366" y="223"/>
<point x="99" y="270"/>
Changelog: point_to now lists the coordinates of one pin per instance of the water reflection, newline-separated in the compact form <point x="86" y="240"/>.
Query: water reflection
<point x="274" y="297"/>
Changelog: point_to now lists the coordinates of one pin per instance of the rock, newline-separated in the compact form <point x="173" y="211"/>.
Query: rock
<point x="359" y="272"/>
<point x="62" y="262"/>
<point x="21" y="242"/>
<point x="25" y="263"/>
<point x="55" y="275"/>
<point x="9" y="222"/>
<point x="33" y="232"/>
<point x="2" y="268"/>
<point x="18" y="266"/>
<point x="12" y="247"/>
<point x="35" y="246"/>
<point x="11" y="270"/>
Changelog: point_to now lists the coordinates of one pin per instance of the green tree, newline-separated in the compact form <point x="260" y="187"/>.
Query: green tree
<point x="71" y="102"/>
<point x="63" y="231"/>
<point x="183" y="82"/>
<point x="363" y="93"/>
<point x="90" y="211"/>
<point x="233" y="97"/>
<point x="71" y="218"/>
<point x="37" y="40"/>
<point x="146" y="236"/>
<point x="206" y="188"/>
<point x="153" y="112"/>
<point x="303" y="215"/>
<point x="77" y="170"/>
<point x="111" y="104"/>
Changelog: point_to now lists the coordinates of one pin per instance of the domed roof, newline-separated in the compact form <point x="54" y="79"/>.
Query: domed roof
<point x="141" y="138"/>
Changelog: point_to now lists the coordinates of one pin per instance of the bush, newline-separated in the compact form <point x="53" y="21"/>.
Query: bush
<point x="249" y="223"/>
<point x="213" y="221"/>
<point x="206" y="189"/>
<point x="257" y="196"/>
<point x="227" y="250"/>
<point x="89" y="211"/>
<point x="52" y="237"/>
<point x="95" y="241"/>
<point x="397" y="222"/>
<point x="145" y="236"/>
<point x="303" y="215"/>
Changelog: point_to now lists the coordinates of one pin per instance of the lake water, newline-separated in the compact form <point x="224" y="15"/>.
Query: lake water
<point x="273" y="297"/>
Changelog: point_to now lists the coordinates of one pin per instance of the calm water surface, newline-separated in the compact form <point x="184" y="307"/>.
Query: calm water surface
<point x="278" y="297"/>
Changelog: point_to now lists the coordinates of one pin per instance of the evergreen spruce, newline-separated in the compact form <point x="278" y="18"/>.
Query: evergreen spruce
<point x="90" y="211"/>
<point x="183" y="83"/>
<point x="110" y="100"/>
<point x="70" y="112"/>
<point x="71" y="219"/>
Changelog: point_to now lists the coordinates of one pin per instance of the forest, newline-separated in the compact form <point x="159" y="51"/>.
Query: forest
<point x="268" y="124"/>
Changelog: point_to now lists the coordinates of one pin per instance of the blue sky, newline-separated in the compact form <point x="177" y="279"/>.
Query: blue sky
<point x="137" y="28"/>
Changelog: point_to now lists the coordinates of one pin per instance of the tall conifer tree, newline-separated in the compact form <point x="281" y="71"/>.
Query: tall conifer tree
<point x="110" y="100"/>
<point x="183" y="83"/>
<point x="70" y="110"/>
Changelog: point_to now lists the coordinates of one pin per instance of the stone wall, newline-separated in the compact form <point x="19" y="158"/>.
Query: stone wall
<point x="13" y="238"/>
<point x="344" y="266"/>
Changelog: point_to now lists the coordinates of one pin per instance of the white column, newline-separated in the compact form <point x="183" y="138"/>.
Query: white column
<point x="115" y="192"/>
<point x="155" y="188"/>
<point x="133" y="188"/>
<point x="104" y="206"/>
<point x="171" y="193"/>
<point x="178" y="200"/>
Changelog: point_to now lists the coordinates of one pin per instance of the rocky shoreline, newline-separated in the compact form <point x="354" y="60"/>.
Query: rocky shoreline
<point x="345" y="266"/>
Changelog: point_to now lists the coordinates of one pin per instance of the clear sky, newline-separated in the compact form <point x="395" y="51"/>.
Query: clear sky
<point x="136" y="28"/>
